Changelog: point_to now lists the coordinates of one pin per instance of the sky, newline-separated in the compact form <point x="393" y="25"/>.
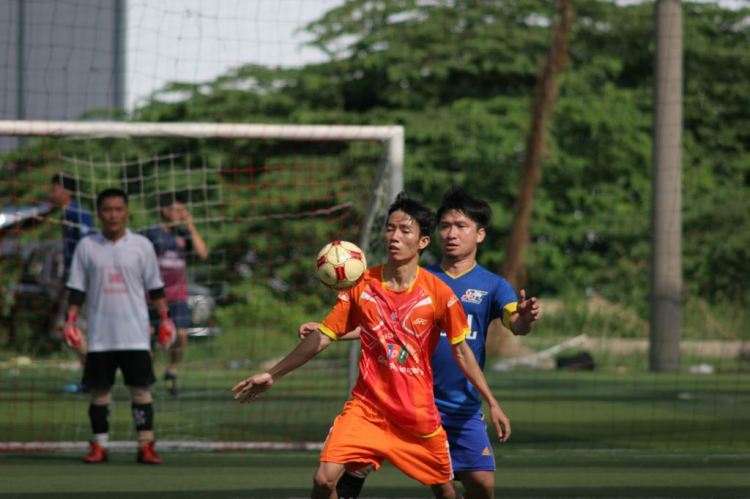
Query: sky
<point x="197" y="40"/>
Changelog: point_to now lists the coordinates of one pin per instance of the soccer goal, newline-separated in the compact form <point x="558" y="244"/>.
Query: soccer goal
<point x="265" y="198"/>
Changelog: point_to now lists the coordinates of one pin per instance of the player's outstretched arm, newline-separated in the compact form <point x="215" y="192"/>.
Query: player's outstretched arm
<point x="311" y="327"/>
<point x="526" y="315"/>
<point x="465" y="359"/>
<point x="249" y="389"/>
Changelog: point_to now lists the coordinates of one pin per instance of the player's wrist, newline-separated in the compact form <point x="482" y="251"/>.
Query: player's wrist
<point x="492" y="402"/>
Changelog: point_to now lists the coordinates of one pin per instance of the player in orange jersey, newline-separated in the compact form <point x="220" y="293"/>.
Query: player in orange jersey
<point x="400" y="310"/>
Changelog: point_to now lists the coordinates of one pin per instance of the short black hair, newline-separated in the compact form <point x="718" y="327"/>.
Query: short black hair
<point x="66" y="182"/>
<point x="459" y="200"/>
<point x="424" y="216"/>
<point x="110" y="193"/>
<point x="167" y="199"/>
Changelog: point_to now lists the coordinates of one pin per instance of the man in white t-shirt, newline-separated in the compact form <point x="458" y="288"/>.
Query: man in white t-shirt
<point x="112" y="271"/>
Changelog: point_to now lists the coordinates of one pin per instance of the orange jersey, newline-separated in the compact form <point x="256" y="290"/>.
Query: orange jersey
<point x="399" y="333"/>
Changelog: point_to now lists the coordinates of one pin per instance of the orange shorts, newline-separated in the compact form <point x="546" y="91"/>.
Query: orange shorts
<point x="362" y="434"/>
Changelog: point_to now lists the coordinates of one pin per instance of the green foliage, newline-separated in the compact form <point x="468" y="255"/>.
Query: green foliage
<point x="459" y="76"/>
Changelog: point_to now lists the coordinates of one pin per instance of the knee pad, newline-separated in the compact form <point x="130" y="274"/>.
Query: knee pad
<point x="140" y="395"/>
<point x="101" y="397"/>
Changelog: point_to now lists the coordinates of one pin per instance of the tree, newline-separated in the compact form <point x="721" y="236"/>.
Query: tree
<point x="460" y="76"/>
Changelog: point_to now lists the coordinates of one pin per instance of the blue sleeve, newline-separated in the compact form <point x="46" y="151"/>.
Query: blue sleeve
<point x="87" y="223"/>
<point x="81" y="220"/>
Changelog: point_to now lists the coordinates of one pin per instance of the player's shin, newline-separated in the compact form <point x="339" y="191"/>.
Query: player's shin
<point x="99" y="416"/>
<point x="349" y="486"/>
<point x="143" y="415"/>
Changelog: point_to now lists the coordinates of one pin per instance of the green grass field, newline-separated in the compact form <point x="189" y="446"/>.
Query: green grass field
<point x="575" y="434"/>
<point x="523" y="474"/>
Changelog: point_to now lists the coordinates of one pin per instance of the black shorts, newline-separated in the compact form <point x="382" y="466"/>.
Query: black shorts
<point x="136" y="367"/>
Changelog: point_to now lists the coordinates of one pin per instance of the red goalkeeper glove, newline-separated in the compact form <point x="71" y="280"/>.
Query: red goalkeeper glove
<point x="166" y="330"/>
<point x="70" y="332"/>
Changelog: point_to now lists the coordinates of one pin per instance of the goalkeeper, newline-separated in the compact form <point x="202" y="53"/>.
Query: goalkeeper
<point x="112" y="270"/>
<point x="400" y="309"/>
<point x="462" y="224"/>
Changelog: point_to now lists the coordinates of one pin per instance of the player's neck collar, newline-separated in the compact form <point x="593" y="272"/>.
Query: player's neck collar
<point x="384" y="284"/>
<point x="461" y="274"/>
<point x="119" y="240"/>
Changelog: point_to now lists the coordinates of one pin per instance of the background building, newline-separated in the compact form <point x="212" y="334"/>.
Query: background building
<point x="61" y="60"/>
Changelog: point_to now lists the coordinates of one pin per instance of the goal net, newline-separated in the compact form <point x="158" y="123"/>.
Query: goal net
<point x="264" y="198"/>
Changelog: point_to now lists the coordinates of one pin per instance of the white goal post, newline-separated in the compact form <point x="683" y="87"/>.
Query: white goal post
<point x="387" y="183"/>
<point x="391" y="136"/>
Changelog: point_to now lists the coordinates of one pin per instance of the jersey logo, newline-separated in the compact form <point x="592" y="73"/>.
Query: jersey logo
<point x="113" y="280"/>
<point x="452" y="301"/>
<point x="420" y="322"/>
<point x="343" y="297"/>
<point x="486" y="452"/>
<point x="473" y="296"/>
<point x="397" y="353"/>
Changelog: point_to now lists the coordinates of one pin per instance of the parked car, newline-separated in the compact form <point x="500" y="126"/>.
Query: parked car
<point x="18" y="216"/>
<point x="35" y="300"/>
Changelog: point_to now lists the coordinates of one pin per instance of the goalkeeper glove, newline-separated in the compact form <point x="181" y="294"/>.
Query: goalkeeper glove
<point x="166" y="330"/>
<point x="70" y="332"/>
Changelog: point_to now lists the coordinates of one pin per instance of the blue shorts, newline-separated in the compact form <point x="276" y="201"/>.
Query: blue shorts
<point x="178" y="310"/>
<point x="470" y="446"/>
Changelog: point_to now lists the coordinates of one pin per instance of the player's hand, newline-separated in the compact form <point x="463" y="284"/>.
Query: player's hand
<point x="307" y="328"/>
<point x="167" y="330"/>
<point x="249" y="389"/>
<point x="187" y="218"/>
<point x="501" y="422"/>
<point x="71" y="334"/>
<point x="528" y="309"/>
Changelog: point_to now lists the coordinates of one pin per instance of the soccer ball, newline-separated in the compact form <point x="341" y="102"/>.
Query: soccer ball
<point x="340" y="265"/>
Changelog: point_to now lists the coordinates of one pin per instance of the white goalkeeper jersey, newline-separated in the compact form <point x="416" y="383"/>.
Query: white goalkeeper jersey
<point x="115" y="277"/>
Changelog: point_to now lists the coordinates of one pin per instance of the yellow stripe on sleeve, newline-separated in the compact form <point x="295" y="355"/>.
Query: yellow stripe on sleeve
<point x="508" y="311"/>
<point x="431" y="434"/>
<point x="461" y="337"/>
<point x="328" y="332"/>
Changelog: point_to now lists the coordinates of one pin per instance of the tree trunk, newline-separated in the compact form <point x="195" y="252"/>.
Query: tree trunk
<point x="545" y="96"/>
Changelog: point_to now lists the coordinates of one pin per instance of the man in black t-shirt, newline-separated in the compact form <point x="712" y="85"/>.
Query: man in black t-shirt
<point x="174" y="239"/>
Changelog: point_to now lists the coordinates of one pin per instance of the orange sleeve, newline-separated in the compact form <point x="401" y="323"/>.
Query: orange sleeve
<point x="450" y="315"/>
<point x="342" y="318"/>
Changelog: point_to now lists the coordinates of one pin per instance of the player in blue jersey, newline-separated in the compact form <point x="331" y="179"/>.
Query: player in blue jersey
<point x="485" y="296"/>
<point x="77" y="223"/>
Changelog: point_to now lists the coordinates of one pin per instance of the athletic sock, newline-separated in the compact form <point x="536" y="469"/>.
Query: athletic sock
<point x="99" y="416"/>
<point x="102" y="439"/>
<point x="143" y="414"/>
<point x="349" y="486"/>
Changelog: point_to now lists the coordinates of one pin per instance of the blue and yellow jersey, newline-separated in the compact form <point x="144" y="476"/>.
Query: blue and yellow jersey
<point x="485" y="296"/>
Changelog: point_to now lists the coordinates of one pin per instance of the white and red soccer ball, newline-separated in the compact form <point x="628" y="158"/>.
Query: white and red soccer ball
<point x="340" y="265"/>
